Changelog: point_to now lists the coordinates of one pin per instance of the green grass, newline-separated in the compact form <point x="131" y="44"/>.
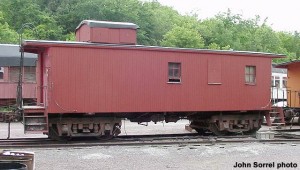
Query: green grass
<point x="6" y="109"/>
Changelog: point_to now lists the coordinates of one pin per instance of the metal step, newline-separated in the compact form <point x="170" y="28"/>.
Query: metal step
<point x="38" y="116"/>
<point x="35" y="123"/>
<point x="278" y="123"/>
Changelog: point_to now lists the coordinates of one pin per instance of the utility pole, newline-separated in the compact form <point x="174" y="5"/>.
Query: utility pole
<point x="19" y="97"/>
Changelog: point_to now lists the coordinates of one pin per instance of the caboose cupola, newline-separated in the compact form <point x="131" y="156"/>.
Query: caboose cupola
<point x="106" y="32"/>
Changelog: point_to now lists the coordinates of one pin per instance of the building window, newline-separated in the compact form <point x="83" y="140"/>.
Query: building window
<point x="284" y="82"/>
<point x="174" y="72"/>
<point x="250" y="74"/>
<point x="1" y="73"/>
<point x="277" y="82"/>
<point x="14" y="74"/>
<point x="29" y="74"/>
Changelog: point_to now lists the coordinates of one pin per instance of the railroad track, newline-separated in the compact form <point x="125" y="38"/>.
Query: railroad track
<point x="286" y="130"/>
<point x="138" y="140"/>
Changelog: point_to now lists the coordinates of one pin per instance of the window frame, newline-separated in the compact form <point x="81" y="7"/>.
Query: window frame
<point x="14" y="78"/>
<point x="29" y="74"/>
<point x="172" y="77"/>
<point x="277" y="81"/>
<point x="250" y="75"/>
<point x="2" y="71"/>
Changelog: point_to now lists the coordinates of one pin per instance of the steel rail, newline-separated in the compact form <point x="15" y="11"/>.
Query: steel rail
<point x="140" y="140"/>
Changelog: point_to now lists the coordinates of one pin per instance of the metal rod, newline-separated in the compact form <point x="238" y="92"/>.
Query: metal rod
<point x="8" y="134"/>
<point x="272" y="95"/>
<point x="277" y="97"/>
<point x="19" y="97"/>
<point x="283" y="97"/>
<point x="20" y="81"/>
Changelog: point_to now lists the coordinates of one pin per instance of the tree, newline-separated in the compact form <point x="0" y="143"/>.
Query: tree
<point x="19" y="12"/>
<point x="214" y="46"/>
<point x="159" y="25"/>
<point x="7" y="35"/>
<point x="71" y="12"/>
<point x="227" y="29"/>
<point x="155" y="21"/>
<point x="183" y="37"/>
<point x="49" y="6"/>
<point x="266" y="40"/>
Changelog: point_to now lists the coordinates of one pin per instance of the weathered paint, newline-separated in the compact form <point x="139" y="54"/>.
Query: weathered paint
<point x="119" y="79"/>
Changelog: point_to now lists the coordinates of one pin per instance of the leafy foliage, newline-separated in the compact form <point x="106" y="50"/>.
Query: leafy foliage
<point x="183" y="37"/>
<point x="159" y="25"/>
<point x="7" y="35"/>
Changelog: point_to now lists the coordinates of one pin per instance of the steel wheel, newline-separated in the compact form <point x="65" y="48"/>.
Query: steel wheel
<point x="215" y="130"/>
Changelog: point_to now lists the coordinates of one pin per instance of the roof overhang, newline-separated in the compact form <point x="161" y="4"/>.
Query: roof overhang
<point x="10" y="56"/>
<point x="35" y="46"/>
<point x="107" y="24"/>
<point x="287" y="64"/>
<point x="9" y="61"/>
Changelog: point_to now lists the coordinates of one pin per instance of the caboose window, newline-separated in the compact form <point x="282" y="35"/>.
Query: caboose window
<point x="250" y="74"/>
<point x="29" y="74"/>
<point x="14" y="74"/>
<point x="1" y="73"/>
<point x="174" y="72"/>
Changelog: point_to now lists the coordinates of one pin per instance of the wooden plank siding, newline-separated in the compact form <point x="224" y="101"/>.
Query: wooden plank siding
<point x="113" y="79"/>
<point x="8" y="85"/>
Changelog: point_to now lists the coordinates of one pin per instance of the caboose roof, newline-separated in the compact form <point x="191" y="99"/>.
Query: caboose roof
<point x="107" y="24"/>
<point x="286" y="64"/>
<point x="34" y="46"/>
<point x="10" y="56"/>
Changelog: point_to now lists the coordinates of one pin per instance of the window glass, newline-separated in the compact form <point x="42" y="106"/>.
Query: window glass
<point x="246" y="70"/>
<point x="174" y="72"/>
<point x="277" y="81"/>
<point x="250" y="74"/>
<point x="14" y="74"/>
<point x="1" y="73"/>
<point x="29" y="74"/>
<point x="284" y="82"/>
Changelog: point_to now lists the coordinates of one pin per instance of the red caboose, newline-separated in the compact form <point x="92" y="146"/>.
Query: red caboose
<point x="87" y="87"/>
